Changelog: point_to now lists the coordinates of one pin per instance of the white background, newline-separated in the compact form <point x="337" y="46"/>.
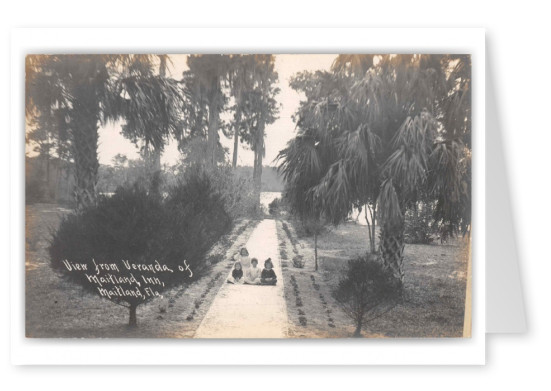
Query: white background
<point x="518" y="50"/>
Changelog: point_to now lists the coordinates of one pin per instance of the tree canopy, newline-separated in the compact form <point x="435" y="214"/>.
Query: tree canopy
<point x="78" y="93"/>
<point x="388" y="130"/>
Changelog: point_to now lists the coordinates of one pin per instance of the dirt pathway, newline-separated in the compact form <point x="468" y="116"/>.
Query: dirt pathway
<point x="247" y="311"/>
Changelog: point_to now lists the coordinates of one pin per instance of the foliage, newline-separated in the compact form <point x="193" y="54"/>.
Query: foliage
<point x="48" y="179"/>
<point x="151" y="104"/>
<point x="298" y="261"/>
<point x="366" y="291"/>
<point x="35" y="188"/>
<point x="276" y="207"/>
<point x="273" y="207"/>
<point x="210" y="85"/>
<point x="271" y="180"/>
<point x="252" y="80"/>
<point x="197" y="213"/>
<point x="195" y="153"/>
<point x="236" y="191"/>
<point x="420" y="226"/>
<point x="71" y="95"/>
<point x="383" y="130"/>
<point x="138" y="225"/>
<point x="47" y="174"/>
<point x="123" y="172"/>
<point x="205" y="96"/>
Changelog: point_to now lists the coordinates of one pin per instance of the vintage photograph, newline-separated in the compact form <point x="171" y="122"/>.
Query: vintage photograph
<point x="248" y="195"/>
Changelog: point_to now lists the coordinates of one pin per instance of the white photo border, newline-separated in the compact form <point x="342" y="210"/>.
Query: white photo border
<point x="35" y="351"/>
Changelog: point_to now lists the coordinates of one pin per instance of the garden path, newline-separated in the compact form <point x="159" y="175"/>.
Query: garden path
<point x="250" y="311"/>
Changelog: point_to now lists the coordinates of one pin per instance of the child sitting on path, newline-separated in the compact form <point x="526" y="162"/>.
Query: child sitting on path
<point x="252" y="274"/>
<point x="243" y="257"/>
<point x="236" y="274"/>
<point x="268" y="276"/>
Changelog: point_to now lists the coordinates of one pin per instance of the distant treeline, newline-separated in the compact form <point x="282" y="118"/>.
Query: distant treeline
<point x="52" y="180"/>
<point x="48" y="180"/>
<point x="271" y="180"/>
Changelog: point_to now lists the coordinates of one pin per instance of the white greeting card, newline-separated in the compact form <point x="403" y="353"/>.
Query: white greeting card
<point x="247" y="192"/>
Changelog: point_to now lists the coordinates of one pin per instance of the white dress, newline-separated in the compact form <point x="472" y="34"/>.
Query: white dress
<point x="252" y="275"/>
<point x="245" y="260"/>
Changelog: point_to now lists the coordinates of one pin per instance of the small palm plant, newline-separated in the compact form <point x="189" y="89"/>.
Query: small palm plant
<point x="366" y="291"/>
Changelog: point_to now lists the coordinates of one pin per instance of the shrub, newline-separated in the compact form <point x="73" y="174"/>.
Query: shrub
<point x="298" y="262"/>
<point x="275" y="207"/>
<point x="367" y="289"/>
<point x="236" y="193"/>
<point x="419" y="227"/>
<point x="138" y="226"/>
<point x="293" y="241"/>
<point x="196" y="215"/>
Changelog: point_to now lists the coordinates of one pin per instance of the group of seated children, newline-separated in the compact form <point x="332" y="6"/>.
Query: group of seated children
<point x="252" y="275"/>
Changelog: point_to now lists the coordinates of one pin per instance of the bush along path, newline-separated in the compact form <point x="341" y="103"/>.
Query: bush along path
<point x="250" y="311"/>
<point x="312" y="311"/>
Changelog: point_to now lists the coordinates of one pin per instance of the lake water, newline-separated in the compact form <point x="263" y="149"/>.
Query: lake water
<point x="268" y="196"/>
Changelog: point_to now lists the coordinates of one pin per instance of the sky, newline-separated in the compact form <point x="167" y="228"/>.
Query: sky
<point x="111" y="142"/>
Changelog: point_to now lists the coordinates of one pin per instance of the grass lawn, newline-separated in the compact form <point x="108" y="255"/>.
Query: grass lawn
<point x="434" y="286"/>
<point x="57" y="309"/>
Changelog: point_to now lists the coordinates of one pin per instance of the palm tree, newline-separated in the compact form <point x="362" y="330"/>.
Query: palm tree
<point x="152" y="151"/>
<point x="241" y="81"/>
<point x="142" y="83"/>
<point x="208" y="86"/>
<point x="302" y="167"/>
<point x="256" y="106"/>
<point x="381" y="131"/>
<point x="82" y="92"/>
<point x="205" y="97"/>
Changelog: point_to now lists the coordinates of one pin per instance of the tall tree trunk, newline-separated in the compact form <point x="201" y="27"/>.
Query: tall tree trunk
<point x="85" y="148"/>
<point x="48" y="170"/>
<point x="373" y="213"/>
<point x="152" y="158"/>
<point x="212" y="136"/>
<point x="236" y="139"/>
<point x="162" y="65"/>
<point x="156" y="160"/>
<point x="259" y="152"/>
<point x="358" y="331"/>
<point x="467" y="317"/>
<point x="316" y="250"/>
<point x="58" y="178"/>
<point x="257" y="176"/>
<point x="369" y="233"/>
<point x="156" y="152"/>
<point x="132" y="320"/>
<point x="391" y="245"/>
<point x="373" y="217"/>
